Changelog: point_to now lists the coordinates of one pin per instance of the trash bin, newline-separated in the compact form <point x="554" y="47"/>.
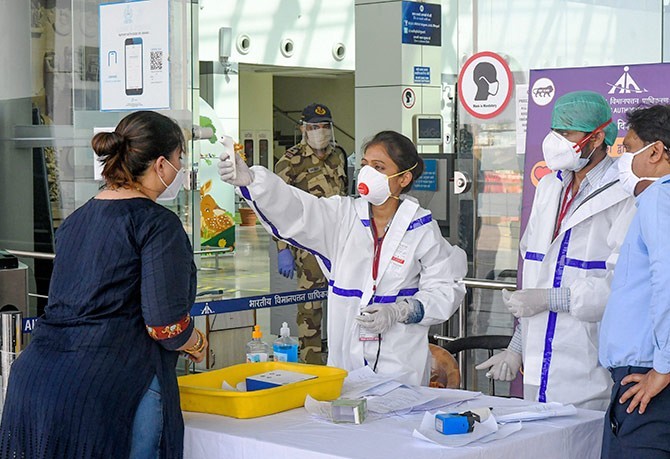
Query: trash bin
<point x="13" y="284"/>
<point x="13" y="307"/>
<point x="11" y="333"/>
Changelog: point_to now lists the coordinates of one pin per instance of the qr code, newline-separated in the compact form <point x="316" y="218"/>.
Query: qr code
<point x="156" y="60"/>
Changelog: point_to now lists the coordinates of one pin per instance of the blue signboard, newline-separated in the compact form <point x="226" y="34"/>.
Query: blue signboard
<point x="428" y="180"/>
<point x="421" y="23"/>
<point x="205" y="308"/>
<point x="421" y="75"/>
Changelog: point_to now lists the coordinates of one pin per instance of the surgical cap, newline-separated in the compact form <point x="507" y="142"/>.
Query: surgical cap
<point x="583" y="111"/>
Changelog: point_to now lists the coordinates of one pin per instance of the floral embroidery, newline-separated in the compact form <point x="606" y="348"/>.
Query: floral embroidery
<point x="169" y="331"/>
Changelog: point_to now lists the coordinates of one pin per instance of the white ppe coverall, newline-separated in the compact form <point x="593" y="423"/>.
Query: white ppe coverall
<point x="415" y="262"/>
<point x="560" y="349"/>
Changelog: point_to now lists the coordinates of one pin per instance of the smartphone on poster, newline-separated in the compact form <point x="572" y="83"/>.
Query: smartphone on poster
<point x="134" y="63"/>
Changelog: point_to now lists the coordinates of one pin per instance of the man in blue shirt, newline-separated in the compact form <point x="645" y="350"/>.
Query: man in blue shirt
<point x="635" y="330"/>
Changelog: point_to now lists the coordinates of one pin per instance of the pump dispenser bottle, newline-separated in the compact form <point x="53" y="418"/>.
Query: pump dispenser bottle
<point x="285" y="348"/>
<point x="257" y="350"/>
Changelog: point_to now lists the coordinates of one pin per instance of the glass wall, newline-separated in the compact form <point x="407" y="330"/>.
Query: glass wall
<point x="50" y="106"/>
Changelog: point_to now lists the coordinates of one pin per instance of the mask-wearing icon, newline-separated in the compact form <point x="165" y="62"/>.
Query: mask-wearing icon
<point x="627" y="177"/>
<point x="485" y="77"/>
<point x="172" y="190"/>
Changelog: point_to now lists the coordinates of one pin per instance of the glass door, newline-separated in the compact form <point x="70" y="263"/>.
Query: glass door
<point x="52" y="104"/>
<point x="490" y="151"/>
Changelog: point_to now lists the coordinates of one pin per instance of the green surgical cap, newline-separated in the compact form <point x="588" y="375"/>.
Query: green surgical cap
<point x="583" y="111"/>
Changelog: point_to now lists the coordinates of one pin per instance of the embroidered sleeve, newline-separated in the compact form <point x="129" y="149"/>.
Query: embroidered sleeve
<point x="160" y="333"/>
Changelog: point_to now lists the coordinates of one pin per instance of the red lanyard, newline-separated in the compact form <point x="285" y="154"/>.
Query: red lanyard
<point x="565" y="206"/>
<point x="377" y="251"/>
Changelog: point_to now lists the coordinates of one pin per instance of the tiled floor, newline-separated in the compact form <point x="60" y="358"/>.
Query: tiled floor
<point x="242" y="273"/>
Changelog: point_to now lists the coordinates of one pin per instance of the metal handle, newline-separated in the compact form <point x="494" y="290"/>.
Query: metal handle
<point x="462" y="182"/>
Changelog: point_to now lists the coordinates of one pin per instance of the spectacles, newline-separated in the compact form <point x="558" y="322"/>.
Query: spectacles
<point x="315" y="126"/>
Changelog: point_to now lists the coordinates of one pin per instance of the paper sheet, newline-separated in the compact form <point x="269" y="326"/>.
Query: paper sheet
<point x="446" y="398"/>
<point x="399" y="400"/>
<point x="533" y="412"/>
<point x="364" y="381"/>
<point x="483" y="432"/>
<point x="241" y="386"/>
<point x="319" y="409"/>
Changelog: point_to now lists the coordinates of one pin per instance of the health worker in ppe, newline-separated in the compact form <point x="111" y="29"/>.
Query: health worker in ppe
<point x="390" y="272"/>
<point x="635" y="330"/>
<point x="570" y="245"/>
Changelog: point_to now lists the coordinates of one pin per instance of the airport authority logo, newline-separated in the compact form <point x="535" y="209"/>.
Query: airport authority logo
<point x="625" y="84"/>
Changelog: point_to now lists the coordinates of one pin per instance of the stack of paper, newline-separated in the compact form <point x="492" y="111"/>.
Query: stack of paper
<point x="532" y="412"/>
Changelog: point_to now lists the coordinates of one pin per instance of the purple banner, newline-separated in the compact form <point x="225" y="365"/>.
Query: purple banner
<point x="623" y="86"/>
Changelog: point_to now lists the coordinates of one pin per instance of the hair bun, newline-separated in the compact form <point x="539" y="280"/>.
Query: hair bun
<point x="108" y="144"/>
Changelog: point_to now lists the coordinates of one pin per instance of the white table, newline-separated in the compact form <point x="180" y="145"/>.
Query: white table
<point x="295" y="434"/>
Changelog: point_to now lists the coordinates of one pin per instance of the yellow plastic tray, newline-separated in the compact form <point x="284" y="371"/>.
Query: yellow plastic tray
<point x="202" y="392"/>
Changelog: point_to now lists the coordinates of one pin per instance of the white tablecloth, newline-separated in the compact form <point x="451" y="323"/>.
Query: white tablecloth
<point x="295" y="434"/>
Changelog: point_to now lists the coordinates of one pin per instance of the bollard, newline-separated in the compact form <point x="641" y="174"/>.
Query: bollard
<point x="10" y="344"/>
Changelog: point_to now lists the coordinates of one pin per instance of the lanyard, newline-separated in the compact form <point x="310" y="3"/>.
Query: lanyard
<point x="565" y="206"/>
<point x="377" y="251"/>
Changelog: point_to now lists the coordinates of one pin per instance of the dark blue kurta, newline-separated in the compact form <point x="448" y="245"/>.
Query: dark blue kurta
<point x="74" y="391"/>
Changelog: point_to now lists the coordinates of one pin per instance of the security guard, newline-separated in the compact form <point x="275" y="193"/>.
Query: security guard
<point x="318" y="166"/>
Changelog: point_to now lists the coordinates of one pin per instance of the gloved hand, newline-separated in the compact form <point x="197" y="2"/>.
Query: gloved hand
<point x="286" y="263"/>
<point x="527" y="302"/>
<point x="378" y="318"/>
<point x="244" y="175"/>
<point x="502" y="366"/>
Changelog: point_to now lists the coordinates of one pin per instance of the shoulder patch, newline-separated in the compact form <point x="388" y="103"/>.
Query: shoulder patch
<point x="293" y="151"/>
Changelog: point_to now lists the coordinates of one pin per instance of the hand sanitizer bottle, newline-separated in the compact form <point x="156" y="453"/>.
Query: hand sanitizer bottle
<point x="285" y="348"/>
<point x="257" y="350"/>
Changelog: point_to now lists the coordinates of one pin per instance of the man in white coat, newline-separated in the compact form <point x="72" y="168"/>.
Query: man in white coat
<point x="578" y="221"/>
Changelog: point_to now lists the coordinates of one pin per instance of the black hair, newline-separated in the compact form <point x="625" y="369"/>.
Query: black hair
<point x="651" y="123"/>
<point x="402" y="152"/>
<point x="138" y="140"/>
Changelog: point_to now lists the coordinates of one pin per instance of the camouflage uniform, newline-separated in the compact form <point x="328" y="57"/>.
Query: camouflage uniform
<point x="301" y="168"/>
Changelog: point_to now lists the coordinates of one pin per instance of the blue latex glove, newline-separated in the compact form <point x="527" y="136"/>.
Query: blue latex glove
<point x="286" y="263"/>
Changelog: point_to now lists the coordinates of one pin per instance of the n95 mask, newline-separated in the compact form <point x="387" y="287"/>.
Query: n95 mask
<point x="373" y="186"/>
<point x="561" y="154"/>
<point x="627" y="177"/>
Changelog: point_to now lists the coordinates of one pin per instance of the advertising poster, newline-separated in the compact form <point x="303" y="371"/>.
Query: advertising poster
<point x="624" y="87"/>
<point x="134" y="51"/>
<point x="217" y="199"/>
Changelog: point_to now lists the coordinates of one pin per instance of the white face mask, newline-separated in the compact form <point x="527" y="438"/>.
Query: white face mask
<point x="627" y="177"/>
<point x="319" y="139"/>
<point x="493" y="87"/>
<point x="373" y="186"/>
<point x="561" y="154"/>
<point x="172" y="190"/>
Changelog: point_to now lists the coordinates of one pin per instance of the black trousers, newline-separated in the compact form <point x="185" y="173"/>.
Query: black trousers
<point x="635" y="436"/>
